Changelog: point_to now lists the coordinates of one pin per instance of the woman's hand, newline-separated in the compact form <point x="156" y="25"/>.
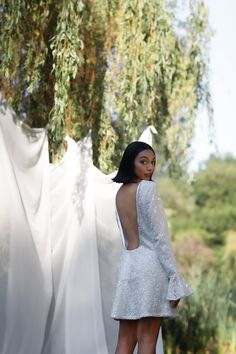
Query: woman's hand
<point x="174" y="303"/>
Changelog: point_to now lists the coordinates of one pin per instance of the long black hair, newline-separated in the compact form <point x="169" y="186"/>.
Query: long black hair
<point x="126" y="172"/>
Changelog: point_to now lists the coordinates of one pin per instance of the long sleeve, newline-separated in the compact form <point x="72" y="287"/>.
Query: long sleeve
<point x="177" y="286"/>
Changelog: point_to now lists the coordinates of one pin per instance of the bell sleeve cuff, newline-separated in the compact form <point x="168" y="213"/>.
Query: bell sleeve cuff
<point x="178" y="288"/>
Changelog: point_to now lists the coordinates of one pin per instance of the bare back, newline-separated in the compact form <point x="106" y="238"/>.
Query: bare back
<point x="126" y="207"/>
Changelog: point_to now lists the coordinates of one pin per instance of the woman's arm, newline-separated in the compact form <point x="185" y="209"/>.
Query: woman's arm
<point x="178" y="287"/>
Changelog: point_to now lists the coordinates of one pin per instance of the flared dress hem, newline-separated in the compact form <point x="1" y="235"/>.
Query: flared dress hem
<point x="162" y="315"/>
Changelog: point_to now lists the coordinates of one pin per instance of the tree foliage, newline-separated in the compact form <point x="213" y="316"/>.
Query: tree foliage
<point x="215" y="197"/>
<point x="208" y="318"/>
<point x="112" y="67"/>
<point x="207" y="206"/>
<point x="203" y="225"/>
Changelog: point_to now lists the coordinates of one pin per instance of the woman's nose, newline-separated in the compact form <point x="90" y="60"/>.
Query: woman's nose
<point x="150" y="167"/>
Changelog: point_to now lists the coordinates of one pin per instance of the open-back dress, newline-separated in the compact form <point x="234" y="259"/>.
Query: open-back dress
<point x="148" y="276"/>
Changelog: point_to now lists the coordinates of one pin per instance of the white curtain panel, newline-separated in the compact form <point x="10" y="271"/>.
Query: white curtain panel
<point x="59" y="245"/>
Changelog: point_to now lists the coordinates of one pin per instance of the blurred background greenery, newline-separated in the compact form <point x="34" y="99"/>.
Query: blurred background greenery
<point x="202" y="218"/>
<point x="113" y="67"/>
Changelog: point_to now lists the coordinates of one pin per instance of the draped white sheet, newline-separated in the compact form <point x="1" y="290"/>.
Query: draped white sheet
<point x="59" y="245"/>
<point x="26" y="272"/>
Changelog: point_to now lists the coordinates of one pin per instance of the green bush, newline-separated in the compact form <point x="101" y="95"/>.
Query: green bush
<point x="207" y="321"/>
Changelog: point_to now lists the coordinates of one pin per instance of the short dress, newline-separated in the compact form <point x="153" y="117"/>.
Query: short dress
<point x="148" y="276"/>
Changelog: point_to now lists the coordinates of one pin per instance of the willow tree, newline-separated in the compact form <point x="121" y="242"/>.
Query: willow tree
<point x="111" y="67"/>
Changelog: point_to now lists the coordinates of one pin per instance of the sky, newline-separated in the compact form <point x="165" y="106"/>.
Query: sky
<point x="222" y="85"/>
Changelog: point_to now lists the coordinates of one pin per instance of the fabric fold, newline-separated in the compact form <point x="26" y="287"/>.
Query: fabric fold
<point x="58" y="245"/>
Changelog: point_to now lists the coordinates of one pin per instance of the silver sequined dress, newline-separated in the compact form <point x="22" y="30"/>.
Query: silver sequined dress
<point x="148" y="276"/>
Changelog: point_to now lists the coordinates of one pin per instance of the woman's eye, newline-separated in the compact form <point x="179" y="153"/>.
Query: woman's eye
<point x="153" y="163"/>
<point x="143" y="162"/>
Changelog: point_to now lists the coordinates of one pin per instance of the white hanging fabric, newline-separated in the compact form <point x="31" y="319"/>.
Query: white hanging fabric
<point x="25" y="274"/>
<point x="59" y="244"/>
<point x="76" y="317"/>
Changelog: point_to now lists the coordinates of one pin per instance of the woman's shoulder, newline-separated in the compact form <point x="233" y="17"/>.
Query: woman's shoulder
<point x="148" y="186"/>
<point x="148" y="190"/>
<point x="127" y="188"/>
<point x="126" y="191"/>
<point x="144" y="188"/>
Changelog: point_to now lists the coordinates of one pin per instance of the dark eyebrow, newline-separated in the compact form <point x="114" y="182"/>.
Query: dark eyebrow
<point x="145" y="157"/>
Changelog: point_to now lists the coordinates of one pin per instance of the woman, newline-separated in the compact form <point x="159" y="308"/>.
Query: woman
<point x="149" y="286"/>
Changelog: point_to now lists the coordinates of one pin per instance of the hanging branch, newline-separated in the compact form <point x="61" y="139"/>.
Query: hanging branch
<point x="112" y="67"/>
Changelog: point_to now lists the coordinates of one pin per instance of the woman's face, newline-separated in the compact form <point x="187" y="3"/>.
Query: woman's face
<point x="144" y="165"/>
